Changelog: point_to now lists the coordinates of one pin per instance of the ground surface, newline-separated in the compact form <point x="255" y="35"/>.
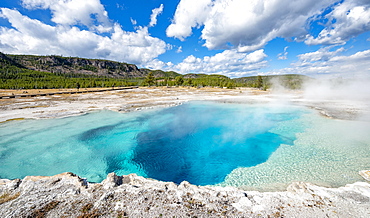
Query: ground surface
<point x="143" y="98"/>
<point x="122" y="100"/>
<point x="67" y="195"/>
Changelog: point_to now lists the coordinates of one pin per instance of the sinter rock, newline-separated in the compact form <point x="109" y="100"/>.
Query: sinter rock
<point x="67" y="195"/>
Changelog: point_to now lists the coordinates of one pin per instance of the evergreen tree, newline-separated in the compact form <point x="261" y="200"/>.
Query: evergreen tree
<point x="149" y="79"/>
<point x="179" y="80"/>
<point x="259" y="82"/>
<point x="189" y="82"/>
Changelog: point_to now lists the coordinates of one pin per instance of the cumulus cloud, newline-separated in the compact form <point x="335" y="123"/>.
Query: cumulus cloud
<point x="330" y="63"/>
<point x="323" y="54"/>
<point x="250" y="25"/>
<point x="155" y="13"/>
<point x="74" y="12"/>
<point x="157" y="64"/>
<point x="30" y="36"/>
<point x="189" y="14"/>
<point x="230" y="63"/>
<point x="347" y="19"/>
<point x="244" y="25"/>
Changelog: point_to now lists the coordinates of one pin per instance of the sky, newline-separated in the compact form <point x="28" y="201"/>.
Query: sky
<point x="235" y="38"/>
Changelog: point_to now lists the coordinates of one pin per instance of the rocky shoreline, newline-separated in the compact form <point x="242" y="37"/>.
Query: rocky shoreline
<point x="67" y="195"/>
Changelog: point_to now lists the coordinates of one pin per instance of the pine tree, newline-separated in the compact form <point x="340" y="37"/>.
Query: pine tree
<point x="259" y="82"/>
<point x="149" y="79"/>
<point x="179" y="80"/>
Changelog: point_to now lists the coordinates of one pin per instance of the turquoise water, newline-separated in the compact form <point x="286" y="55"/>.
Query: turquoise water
<point x="197" y="142"/>
<point x="261" y="147"/>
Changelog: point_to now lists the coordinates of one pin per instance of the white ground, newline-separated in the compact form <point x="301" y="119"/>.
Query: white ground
<point x="143" y="98"/>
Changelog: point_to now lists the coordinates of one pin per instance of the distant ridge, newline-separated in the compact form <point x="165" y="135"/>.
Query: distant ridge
<point x="75" y="65"/>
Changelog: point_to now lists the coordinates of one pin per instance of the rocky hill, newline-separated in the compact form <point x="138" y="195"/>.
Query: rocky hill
<point x="74" y="65"/>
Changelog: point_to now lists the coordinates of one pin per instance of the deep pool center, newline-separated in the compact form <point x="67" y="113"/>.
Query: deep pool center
<point x="254" y="146"/>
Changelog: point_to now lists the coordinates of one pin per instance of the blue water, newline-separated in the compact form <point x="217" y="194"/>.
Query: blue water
<point x="197" y="142"/>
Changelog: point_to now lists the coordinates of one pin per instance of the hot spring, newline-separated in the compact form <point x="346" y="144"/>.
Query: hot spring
<point x="255" y="146"/>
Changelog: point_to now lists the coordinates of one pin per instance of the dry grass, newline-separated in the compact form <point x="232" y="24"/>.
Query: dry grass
<point x="87" y="212"/>
<point x="8" y="197"/>
<point x="13" y="120"/>
<point x="44" y="210"/>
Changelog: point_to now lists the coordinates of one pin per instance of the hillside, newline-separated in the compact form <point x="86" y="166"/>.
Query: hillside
<point x="74" y="65"/>
<point x="31" y="72"/>
<point x="6" y="62"/>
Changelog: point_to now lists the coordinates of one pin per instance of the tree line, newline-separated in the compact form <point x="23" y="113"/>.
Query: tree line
<point x="18" y="78"/>
<point x="22" y="78"/>
<point x="198" y="81"/>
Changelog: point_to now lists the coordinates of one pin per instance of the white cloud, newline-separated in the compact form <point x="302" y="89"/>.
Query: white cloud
<point x="189" y="14"/>
<point x="134" y="22"/>
<point x="74" y="12"/>
<point x="179" y="49"/>
<point x="155" y="13"/>
<point x="283" y="56"/>
<point x="323" y="54"/>
<point x="157" y="64"/>
<point x="120" y="6"/>
<point x="244" y="25"/>
<point x="348" y="19"/>
<point x="230" y="63"/>
<point x="330" y="63"/>
<point x="29" y="36"/>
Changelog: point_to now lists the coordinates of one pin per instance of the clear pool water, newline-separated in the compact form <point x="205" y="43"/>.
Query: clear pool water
<point x="262" y="147"/>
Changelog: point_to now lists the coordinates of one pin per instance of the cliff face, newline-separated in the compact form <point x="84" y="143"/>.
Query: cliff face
<point x="57" y="64"/>
<point x="67" y="195"/>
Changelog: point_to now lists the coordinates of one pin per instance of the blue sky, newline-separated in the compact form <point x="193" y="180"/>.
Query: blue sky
<point x="231" y="37"/>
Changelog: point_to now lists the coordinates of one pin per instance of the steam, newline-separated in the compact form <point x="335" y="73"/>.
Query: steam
<point x="338" y="89"/>
<point x="325" y="151"/>
<point x="343" y="98"/>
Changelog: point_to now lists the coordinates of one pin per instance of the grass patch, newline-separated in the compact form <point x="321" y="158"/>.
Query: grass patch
<point x="87" y="207"/>
<point x="88" y="213"/>
<point x="39" y="213"/>
<point x="8" y="197"/>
